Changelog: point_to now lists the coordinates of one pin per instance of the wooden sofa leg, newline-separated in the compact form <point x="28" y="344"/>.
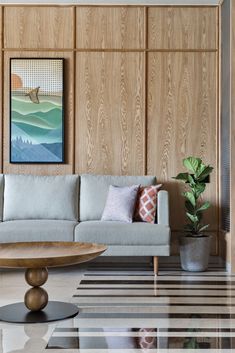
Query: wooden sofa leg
<point x="155" y="265"/>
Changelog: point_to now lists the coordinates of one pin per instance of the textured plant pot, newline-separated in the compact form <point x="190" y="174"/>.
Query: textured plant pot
<point x="194" y="253"/>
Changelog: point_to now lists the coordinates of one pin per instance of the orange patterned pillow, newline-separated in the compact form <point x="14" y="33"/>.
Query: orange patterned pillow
<point x="146" y="204"/>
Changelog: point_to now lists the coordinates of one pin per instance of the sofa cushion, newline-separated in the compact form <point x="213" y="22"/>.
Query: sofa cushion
<point x="120" y="203"/>
<point x="37" y="230"/>
<point x="40" y="197"/>
<point x="116" y="233"/>
<point x="94" y="191"/>
<point x="1" y="196"/>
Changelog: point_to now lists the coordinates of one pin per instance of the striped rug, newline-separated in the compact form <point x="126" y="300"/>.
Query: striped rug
<point x="128" y="310"/>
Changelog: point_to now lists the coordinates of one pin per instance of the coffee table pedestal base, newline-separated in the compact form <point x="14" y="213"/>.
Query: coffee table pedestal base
<point x="18" y="313"/>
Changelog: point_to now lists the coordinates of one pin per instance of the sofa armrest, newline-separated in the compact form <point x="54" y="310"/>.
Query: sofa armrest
<point x="163" y="207"/>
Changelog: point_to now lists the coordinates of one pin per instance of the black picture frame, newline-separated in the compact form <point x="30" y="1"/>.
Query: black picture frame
<point x="21" y="154"/>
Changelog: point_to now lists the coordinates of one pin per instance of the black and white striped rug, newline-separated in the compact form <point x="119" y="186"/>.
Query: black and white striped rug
<point x="128" y="310"/>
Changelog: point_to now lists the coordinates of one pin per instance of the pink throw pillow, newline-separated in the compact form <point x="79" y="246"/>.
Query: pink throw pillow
<point x="146" y="204"/>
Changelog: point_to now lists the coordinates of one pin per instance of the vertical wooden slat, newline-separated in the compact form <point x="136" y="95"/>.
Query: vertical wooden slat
<point x="183" y="28"/>
<point x="182" y="116"/>
<point x="38" y="27"/>
<point x="110" y="27"/>
<point x="110" y="113"/>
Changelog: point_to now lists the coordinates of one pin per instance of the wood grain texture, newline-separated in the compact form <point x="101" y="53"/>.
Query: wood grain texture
<point x="47" y="254"/>
<point x="110" y="27"/>
<point x="38" y="27"/>
<point x="110" y="113"/>
<point x="182" y="121"/>
<point x="42" y="169"/>
<point x="1" y="26"/>
<point x="182" y="28"/>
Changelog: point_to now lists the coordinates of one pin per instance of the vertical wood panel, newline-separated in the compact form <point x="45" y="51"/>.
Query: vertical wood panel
<point x="110" y="27"/>
<point x="67" y="167"/>
<point x="1" y="26"/>
<point x="110" y="113"/>
<point x="182" y="101"/>
<point x="38" y="27"/>
<point x="182" y="28"/>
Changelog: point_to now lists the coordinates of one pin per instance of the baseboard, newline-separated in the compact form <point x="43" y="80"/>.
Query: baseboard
<point x="169" y="261"/>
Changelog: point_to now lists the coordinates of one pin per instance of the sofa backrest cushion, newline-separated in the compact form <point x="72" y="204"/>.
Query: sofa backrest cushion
<point x="1" y="196"/>
<point x="94" y="191"/>
<point x="40" y="197"/>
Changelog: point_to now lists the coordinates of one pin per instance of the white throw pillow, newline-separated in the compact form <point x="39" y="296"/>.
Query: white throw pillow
<point x="120" y="203"/>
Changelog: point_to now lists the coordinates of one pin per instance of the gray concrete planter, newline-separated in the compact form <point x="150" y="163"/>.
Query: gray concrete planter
<point x="195" y="252"/>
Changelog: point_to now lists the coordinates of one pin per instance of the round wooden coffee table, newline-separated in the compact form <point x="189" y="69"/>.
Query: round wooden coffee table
<point x="36" y="257"/>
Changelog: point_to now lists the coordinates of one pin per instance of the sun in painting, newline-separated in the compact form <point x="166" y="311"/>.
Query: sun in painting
<point x="16" y="81"/>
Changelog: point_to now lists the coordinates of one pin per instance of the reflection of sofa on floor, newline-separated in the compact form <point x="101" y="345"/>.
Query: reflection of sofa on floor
<point x="55" y="208"/>
<point x="118" y="338"/>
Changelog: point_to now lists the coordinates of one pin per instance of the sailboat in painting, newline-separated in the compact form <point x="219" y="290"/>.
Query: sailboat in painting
<point x="37" y="110"/>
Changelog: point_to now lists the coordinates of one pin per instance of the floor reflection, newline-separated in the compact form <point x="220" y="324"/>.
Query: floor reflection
<point x="31" y="338"/>
<point x="141" y="338"/>
<point x="129" y="311"/>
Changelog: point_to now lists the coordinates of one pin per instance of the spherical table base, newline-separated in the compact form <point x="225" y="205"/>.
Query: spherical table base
<point x="36" y="257"/>
<point x="18" y="313"/>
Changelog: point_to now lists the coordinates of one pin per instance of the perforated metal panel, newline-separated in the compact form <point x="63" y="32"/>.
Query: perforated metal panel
<point x="225" y="118"/>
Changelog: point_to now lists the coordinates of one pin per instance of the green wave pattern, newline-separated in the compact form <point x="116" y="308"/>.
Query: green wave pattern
<point x="25" y="108"/>
<point x="50" y="120"/>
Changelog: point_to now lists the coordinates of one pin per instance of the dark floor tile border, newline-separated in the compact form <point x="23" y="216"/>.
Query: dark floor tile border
<point x="126" y="281"/>
<point x="161" y="288"/>
<point x="191" y="316"/>
<point x="150" y="296"/>
<point x="120" y="329"/>
<point x="154" y="304"/>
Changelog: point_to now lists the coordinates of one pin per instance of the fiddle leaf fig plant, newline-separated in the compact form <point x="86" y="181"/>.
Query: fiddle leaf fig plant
<point x="195" y="177"/>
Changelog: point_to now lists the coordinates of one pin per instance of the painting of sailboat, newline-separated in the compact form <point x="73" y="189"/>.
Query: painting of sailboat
<point x="36" y="110"/>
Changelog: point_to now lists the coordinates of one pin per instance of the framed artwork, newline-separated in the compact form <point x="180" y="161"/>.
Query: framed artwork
<point x="36" y="110"/>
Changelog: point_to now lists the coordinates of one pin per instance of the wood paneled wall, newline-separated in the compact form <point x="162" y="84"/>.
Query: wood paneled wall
<point x="141" y="90"/>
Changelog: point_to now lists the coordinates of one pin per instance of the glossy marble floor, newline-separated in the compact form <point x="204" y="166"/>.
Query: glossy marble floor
<point x="125" y="310"/>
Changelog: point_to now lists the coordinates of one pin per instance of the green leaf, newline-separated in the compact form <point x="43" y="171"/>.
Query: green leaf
<point x="192" y="163"/>
<point x="189" y="207"/>
<point x="190" y="197"/>
<point x="203" y="228"/>
<point x="191" y="180"/>
<point x="203" y="207"/>
<point x="199" y="188"/>
<point x="182" y="177"/>
<point x="193" y="218"/>
<point x="204" y="173"/>
<point x="200" y="169"/>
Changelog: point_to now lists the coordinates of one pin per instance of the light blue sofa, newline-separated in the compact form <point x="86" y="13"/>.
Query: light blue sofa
<point x="69" y="208"/>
